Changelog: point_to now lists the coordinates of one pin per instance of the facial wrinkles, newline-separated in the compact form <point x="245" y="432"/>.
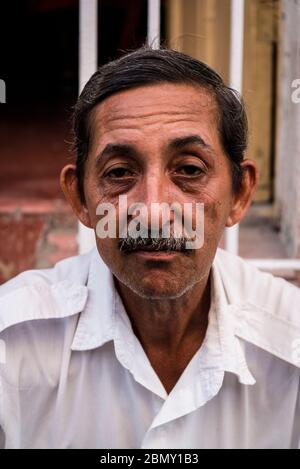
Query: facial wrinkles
<point x="149" y="127"/>
<point x="151" y="138"/>
<point x="116" y="120"/>
<point x="114" y="116"/>
<point x="177" y="101"/>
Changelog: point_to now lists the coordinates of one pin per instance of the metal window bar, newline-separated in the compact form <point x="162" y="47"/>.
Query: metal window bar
<point x="237" y="14"/>
<point x="88" y="62"/>
<point x="153" y="33"/>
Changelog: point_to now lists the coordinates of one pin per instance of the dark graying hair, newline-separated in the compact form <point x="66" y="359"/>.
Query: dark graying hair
<point x="146" y="66"/>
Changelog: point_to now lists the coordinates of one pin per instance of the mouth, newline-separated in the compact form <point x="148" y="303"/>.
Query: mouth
<point x="158" y="254"/>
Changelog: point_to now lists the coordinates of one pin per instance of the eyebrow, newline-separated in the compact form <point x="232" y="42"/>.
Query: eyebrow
<point x="181" y="142"/>
<point x="117" y="148"/>
<point x="130" y="151"/>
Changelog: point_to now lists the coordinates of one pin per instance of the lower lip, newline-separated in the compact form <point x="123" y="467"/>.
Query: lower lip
<point x="156" y="255"/>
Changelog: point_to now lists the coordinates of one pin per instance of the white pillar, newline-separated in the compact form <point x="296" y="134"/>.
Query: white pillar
<point x="153" y="34"/>
<point x="236" y="82"/>
<point x="88" y="40"/>
<point x="237" y="44"/>
<point x="88" y="62"/>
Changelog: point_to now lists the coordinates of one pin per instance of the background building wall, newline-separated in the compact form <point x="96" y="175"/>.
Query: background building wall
<point x="288" y="128"/>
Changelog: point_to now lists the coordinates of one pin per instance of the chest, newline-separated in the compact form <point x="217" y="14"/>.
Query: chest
<point x="99" y="403"/>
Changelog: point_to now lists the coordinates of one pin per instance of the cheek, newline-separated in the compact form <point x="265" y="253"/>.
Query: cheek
<point x="94" y="193"/>
<point x="108" y="251"/>
<point x="216" y="211"/>
<point x="93" y="199"/>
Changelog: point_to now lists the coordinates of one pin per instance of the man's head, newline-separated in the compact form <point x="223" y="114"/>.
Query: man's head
<point x="159" y="126"/>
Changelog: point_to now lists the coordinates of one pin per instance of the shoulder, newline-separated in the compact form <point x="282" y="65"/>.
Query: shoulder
<point x="44" y="294"/>
<point x="38" y="317"/>
<point x="245" y="283"/>
<point x="266" y="309"/>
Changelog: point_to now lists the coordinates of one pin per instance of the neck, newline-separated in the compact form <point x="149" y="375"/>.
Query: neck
<point x="169" y="330"/>
<point x="167" y="324"/>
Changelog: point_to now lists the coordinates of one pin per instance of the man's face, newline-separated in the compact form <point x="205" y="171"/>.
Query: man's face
<point x="159" y="143"/>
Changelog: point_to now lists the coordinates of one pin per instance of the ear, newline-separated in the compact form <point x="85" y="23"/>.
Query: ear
<point x="242" y="200"/>
<point x="69" y="185"/>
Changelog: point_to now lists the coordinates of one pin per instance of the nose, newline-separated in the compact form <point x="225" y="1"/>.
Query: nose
<point x="154" y="188"/>
<point x="155" y="195"/>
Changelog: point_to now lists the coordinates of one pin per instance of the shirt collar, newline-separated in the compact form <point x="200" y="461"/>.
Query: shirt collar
<point x="102" y="321"/>
<point x="221" y="347"/>
<point x="96" y="324"/>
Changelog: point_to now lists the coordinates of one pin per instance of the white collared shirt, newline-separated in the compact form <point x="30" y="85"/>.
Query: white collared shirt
<point x="74" y="375"/>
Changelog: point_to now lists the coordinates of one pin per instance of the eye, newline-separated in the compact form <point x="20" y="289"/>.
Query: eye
<point x="189" y="170"/>
<point x="118" y="173"/>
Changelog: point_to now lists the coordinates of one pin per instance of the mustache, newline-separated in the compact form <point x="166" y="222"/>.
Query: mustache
<point x="129" y="244"/>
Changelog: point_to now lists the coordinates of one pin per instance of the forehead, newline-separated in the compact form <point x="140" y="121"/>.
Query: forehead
<point x="160" y="110"/>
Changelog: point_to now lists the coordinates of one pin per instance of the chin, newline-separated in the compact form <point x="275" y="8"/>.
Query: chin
<point x="158" y="290"/>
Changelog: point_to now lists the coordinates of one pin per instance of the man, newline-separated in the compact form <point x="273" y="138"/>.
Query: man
<point x="144" y="342"/>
